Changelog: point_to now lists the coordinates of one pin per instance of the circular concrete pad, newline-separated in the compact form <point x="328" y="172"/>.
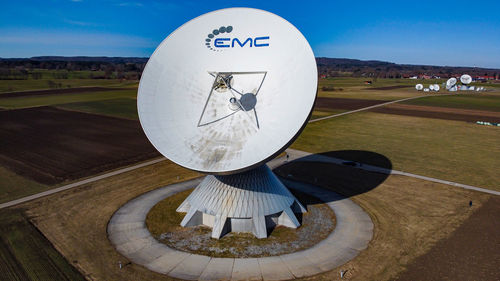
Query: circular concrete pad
<point x="128" y="233"/>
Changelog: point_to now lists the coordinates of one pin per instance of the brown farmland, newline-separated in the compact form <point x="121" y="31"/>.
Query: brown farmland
<point x="472" y="252"/>
<point x="57" y="91"/>
<point x="409" y="110"/>
<point x="439" y="113"/>
<point x="52" y="145"/>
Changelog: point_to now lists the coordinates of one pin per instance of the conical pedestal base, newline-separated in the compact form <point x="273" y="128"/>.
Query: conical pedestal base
<point x="252" y="201"/>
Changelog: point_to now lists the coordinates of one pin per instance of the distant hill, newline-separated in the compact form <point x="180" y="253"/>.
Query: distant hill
<point x="329" y="67"/>
<point x="82" y="59"/>
<point x="372" y="68"/>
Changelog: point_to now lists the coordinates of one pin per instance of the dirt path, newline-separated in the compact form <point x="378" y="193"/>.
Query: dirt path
<point x="472" y="252"/>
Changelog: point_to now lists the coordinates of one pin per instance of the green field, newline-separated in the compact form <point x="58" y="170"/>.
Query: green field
<point x="33" y="101"/>
<point x="322" y="113"/>
<point x="14" y="186"/>
<point x="123" y="108"/>
<point x="25" y="85"/>
<point x="451" y="150"/>
<point x="481" y="101"/>
<point x="25" y="254"/>
<point x="355" y="88"/>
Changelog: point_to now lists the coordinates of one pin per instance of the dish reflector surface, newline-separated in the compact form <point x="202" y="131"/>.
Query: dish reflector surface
<point x="466" y="79"/>
<point x="228" y="90"/>
<point x="451" y="82"/>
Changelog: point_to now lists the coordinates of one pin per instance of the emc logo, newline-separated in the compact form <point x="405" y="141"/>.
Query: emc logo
<point x="217" y="43"/>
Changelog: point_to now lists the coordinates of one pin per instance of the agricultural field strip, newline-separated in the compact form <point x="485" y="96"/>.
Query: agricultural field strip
<point x="370" y="107"/>
<point x="79" y="183"/>
<point x="370" y="168"/>
<point x="293" y="153"/>
<point x="58" y="91"/>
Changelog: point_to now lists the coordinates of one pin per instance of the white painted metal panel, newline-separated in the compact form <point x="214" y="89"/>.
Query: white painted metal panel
<point x="466" y="79"/>
<point x="189" y="118"/>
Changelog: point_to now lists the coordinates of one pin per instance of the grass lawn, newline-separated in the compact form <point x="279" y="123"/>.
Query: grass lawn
<point x="354" y="88"/>
<point x="483" y="101"/>
<point x="33" y="101"/>
<point x="25" y="254"/>
<point x="14" y="186"/>
<point x="371" y="94"/>
<point x="450" y="150"/>
<point x="322" y="113"/>
<point x="123" y="107"/>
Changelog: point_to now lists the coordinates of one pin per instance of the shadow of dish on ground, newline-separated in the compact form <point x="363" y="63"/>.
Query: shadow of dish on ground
<point x="345" y="179"/>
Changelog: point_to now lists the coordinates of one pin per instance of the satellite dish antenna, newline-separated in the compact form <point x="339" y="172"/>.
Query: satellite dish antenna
<point x="436" y="87"/>
<point x="466" y="79"/>
<point x="222" y="95"/>
<point x="451" y="82"/>
<point x="419" y="87"/>
<point x="464" y="88"/>
<point x="426" y="89"/>
<point x="471" y="88"/>
<point x="431" y="87"/>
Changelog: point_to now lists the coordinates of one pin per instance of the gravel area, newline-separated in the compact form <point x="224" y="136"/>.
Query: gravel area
<point x="317" y="224"/>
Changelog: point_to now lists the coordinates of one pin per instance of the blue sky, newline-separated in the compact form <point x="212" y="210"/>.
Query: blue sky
<point x="456" y="33"/>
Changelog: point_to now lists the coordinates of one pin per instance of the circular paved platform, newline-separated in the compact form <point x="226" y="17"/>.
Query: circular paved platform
<point x="128" y="233"/>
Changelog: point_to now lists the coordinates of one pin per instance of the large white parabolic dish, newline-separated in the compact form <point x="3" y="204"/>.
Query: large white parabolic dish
<point x="199" y="125"/>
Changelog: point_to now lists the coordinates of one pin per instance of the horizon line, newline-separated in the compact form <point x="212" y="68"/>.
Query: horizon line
<point x="369" y="60"/>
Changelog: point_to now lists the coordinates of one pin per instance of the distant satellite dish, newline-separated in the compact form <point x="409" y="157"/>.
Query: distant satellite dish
<point x="471" y="88"/>
<point x="451" y="82"/>
<point x="463" y="88"/>
<point x="431" y="87"/>
<point x="426" y="89"/>
<point x="223" y="94"/>
<point x="466" y="79"/>
<point x="436" y="87"/>
<point x="419" y="87"/>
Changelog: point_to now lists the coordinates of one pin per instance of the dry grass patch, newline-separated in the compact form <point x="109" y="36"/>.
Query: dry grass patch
<point x="75" y="221"/>
<point x="410" y="216"/>
<point x="164" y="224"/>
